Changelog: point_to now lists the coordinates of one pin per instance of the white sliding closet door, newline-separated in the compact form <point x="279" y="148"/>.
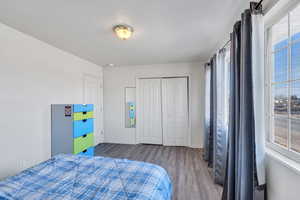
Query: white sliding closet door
<point x="175" y="111"/>
<point x="149" y="119"/>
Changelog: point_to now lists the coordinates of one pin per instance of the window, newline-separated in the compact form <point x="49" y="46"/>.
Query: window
<point x="284" y="62"/>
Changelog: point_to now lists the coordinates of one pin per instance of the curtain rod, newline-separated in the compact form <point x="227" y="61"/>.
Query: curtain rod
<point x="259" y="4"/>
<point x="256" y="8"/>
<point x="226" y="44"/>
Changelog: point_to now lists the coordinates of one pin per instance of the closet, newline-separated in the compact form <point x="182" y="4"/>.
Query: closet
<point x="163" y="111"/>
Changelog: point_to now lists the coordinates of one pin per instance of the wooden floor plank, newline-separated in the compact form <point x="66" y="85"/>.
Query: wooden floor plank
<point x="189" y="173"/>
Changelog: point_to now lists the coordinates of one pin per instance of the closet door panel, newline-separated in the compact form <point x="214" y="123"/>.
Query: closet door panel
<point x="175" y="111"/>
<point x="150" y="119"/>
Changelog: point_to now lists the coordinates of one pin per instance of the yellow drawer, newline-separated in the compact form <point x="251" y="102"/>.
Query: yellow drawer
<point x="82" y="143"/>
<point x="83" y="115"/>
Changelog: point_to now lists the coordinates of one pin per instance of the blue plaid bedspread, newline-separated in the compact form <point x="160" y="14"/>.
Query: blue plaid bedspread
<point x="81" y="177"/>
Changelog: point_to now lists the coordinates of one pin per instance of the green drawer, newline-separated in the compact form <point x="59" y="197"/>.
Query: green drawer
<point x="83" y="115"/>
<point x="82" y="143"/>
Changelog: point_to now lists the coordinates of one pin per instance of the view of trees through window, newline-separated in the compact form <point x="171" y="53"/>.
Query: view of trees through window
<point x="285" y="39"/>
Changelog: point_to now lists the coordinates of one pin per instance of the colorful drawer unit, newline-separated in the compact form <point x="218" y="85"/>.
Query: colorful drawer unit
<point x="72" y="127"/>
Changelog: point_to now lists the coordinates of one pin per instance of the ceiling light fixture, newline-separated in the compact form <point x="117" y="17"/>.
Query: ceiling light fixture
<point x="109" y="65"/>
<point x="123" y="32"/>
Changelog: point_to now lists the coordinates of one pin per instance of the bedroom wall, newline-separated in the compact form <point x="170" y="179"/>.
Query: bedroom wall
<point x="117" y="78"/>
<point x="283" y="177"/>
<point x="33" y="75"/>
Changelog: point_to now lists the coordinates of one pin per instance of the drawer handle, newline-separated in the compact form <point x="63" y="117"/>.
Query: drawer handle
<point x="84" y="151"/>
<point x="84" y="113"/>
<point x="84" y="135"/>
<point x="84" y="120"/>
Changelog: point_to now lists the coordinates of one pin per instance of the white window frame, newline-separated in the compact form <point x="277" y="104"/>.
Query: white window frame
<point x="280" y="10"/>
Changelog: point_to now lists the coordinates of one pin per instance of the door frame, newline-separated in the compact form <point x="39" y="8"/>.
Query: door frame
<point x="184" y="75"/>
<point x="100" y="79"/>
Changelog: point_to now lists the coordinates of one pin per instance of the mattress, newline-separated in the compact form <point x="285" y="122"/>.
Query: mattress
<point x="83" y="177"/>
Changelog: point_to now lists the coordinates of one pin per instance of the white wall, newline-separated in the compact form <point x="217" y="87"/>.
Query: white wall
<point x="117" y="78"/>
<point x="33" y="75"/>
<point x="283" y="178"/>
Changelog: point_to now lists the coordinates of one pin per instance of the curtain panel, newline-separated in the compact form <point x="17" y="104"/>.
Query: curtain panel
<point x="221" y="116"/>
<point x="245" y="163"/>
<point x="213" y="105"/>
<point x="207" y="111"/>
<point x="258" y="94"/>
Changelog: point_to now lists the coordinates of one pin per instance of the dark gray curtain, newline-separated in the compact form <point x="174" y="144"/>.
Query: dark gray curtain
<point x="241" y="178"/>
<point x="231" y="179"/>
<point x="207" y="111"/>
<point x="213" y="90"/>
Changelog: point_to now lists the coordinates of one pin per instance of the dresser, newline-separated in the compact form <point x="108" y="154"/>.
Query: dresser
<point x="72" y="127"/>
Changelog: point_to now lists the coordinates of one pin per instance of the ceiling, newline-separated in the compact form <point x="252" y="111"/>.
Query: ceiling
<point x="166" y="31"/>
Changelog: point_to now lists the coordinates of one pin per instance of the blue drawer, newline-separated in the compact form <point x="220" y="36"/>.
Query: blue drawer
<point x="88" y="152"/>
<point x="81" y="127"/>
<point x="83" y="107"/>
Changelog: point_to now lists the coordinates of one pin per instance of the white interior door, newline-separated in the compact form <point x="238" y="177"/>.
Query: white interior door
<point x="93" y="94"/>
<point x="149" y="119"/>
<point x="175" y="111"/>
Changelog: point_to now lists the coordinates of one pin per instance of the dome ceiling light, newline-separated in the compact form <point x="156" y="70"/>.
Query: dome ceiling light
<point x="124" y="32"/>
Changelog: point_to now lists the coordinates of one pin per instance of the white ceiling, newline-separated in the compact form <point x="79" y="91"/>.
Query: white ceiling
<point x="166" y="31"/>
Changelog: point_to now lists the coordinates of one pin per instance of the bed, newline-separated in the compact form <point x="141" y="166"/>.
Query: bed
<point x="82" y="177"/>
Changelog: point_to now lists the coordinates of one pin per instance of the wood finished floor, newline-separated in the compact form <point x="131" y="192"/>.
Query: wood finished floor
<point x="189" y="173"/>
